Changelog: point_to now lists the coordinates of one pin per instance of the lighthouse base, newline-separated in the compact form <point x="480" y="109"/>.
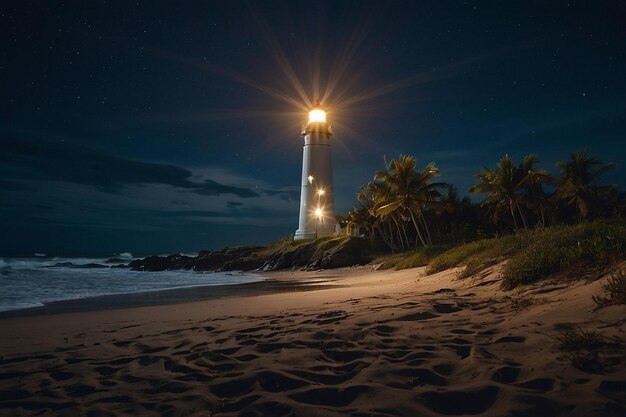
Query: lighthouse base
<point x="303" y="234"/>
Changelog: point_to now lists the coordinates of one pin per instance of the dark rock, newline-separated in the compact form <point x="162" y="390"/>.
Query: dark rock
<point x="212" y="261"/>
<point x="353" y="251"/>
<point x="243" y="264"/>
<point x="314" y="254"/>
<point x="161" y="263"/>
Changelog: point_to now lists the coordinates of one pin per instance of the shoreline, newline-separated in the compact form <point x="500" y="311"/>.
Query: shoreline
<point x="271" y="284"/>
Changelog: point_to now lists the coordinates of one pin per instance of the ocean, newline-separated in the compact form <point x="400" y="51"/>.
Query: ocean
<point x="31" y="282"/>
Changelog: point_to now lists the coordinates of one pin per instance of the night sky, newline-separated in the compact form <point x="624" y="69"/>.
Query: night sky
<point x="157" y="127"/>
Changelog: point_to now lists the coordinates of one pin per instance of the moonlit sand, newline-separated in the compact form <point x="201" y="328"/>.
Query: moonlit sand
<point x="375" y="343"/>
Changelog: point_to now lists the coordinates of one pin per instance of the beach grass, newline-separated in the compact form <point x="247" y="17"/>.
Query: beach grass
<point x="614" y="290"/>
<point x="419" y="257"/>
<point x="533" y="255"/>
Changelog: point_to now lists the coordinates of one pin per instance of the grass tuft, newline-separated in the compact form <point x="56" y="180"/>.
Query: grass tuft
<point x="589" y="351"/>
<point x="614" y="290"/>
<point x="419" y="257"/>
<point x="572" y="340"/>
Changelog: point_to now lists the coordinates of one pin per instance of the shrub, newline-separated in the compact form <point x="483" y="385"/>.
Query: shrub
<point x="578" y="339"/>
<point x="615" y="290"/>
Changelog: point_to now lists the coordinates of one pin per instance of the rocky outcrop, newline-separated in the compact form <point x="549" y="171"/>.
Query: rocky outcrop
<point x="247" y="263"/>
<point x="351" y="252"/>
<point x="334" y="253"/>
<point x="162" y="263"/>
<point x="227" y="259"/>
<point x="313" y="254"/>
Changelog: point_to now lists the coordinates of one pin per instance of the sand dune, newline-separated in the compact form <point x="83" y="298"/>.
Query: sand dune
<point x="377" y="344"/>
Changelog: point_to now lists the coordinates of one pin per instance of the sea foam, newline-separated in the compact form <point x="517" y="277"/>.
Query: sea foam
<point x="31" y="282"/>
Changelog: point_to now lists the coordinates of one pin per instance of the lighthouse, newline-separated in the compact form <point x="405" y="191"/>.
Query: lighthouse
<point x="317" y="203"/>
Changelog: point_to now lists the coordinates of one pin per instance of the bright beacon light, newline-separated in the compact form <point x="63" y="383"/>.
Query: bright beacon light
<point x="317" y="115"/>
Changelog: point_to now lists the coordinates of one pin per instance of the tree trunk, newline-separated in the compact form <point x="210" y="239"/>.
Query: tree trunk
<point x="430" y="241"/>
<point x="519" y="209"/>
<point x="417" y="229"/>
<point x="514" y="216"/>
<point x="408" y="242"/>
<point x="395" y="221"/>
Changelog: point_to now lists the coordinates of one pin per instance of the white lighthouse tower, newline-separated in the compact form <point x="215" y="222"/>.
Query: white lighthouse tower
<point x="317" y="203"/>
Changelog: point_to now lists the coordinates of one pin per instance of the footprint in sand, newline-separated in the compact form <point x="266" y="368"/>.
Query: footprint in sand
<point x="272" y="347"/>
<point x="330" y="397"/>
<point x="326" y="378"/>
<point x="229" y="407"/>
<point x="14" y="394"/>
<point x="443" y="369"/>
<point x="343" y="356"/>
<point x="461" y="331"/>
<point x="79" y="390"/>
<point x="511" y="339"/>
<point x="613" y="389"/>
<point x="538" y="384"/>
<point x="442" y="291"/>
<point x="418" y="377"/>
<point x="106" y="370"/>
<point x="233" y="388"/>
<point x="445" y="308"/>
<point x="61" y="375"/>
<point x="278" y="382"/>
<point x="195" y="376"/>
<point x="176" y="368"/>
<point x="384" y="330"/>
<point x="535" y="406"/>
<point x="506" y="375"/>
<point x="463" y="350"/>
<point x="422" y="315"/>
<point x="460" y="402"/>
<point x="168" y="387"/>
<point x="252" y="329"/>
<point x="269" y="408"/>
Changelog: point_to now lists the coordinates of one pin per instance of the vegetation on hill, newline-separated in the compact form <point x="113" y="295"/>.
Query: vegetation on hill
<point x="586" y="249"/>
<point x="406" y="209"/>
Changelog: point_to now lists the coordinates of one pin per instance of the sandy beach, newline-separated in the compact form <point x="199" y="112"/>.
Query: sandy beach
<point x="340" y="342"/>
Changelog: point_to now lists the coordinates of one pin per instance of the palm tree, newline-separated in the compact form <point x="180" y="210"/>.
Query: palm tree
<point x="510" y="188"/>
<point x="576" y="185"/>
<point x="500" y="185"/>
<point x="534" y="196"/>
<point x="407" y="192"/>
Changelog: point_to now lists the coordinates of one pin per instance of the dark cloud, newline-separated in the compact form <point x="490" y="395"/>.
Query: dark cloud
<point x="12" y="186"/>
<point x="287" y="195"/>
<point x="26" y="159"/>
<point x="233" y="204"/>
